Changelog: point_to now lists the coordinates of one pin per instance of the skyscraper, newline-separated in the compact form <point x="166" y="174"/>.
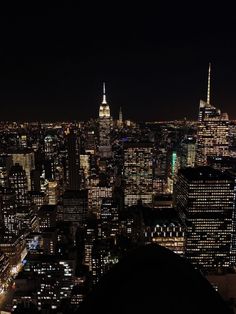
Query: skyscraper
<point x="105" y="122"/>
<point x="35" y="180"/>
<point x="213" y="130"/>
<point x="73" y="162"/>
<point x="75" y="208"/>
<point x="49" y="149"/>
<point x="26" y="159"/>
<point x="5" y="166"/>
<point x="120" y="120"/>
<point x="138" y="173"/>
<point x="47" y="217"/>
<point x="18" y="182"/>
<point x="8" y="211"/>
<point x="187" y="152"/>
<point x="95" y="196"/>
<point x="109" y="219"/>
<point x="53" y="193"/>
<point x="205" y="199"/>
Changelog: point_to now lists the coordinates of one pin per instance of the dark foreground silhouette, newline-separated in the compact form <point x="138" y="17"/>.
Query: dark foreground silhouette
<point x="152" y="279"/>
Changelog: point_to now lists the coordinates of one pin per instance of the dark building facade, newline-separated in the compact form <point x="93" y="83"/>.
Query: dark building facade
<point x="73" y="161"/>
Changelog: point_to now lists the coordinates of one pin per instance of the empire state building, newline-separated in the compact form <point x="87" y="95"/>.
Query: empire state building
<point x="105" y="122"/>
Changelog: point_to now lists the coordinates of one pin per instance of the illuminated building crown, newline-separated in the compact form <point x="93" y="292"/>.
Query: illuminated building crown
<point x="104" y="110"/>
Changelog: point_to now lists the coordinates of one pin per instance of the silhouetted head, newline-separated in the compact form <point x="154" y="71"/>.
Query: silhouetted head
<point x="152" y="279"/>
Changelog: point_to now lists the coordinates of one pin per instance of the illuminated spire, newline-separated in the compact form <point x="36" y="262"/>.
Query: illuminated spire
<point x="104" y="109"/>
<point x="104" y="101"/>
<point x="209" y="84"/>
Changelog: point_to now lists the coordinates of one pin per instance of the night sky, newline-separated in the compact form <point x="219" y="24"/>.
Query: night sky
<point x="154" y="60"/>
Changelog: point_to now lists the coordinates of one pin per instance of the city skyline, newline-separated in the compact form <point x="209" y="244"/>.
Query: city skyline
<point x="117" y="158"/>
<point x="154" y="59"/>
<point x="77" y="198"/>
<point x="115" y="110"/>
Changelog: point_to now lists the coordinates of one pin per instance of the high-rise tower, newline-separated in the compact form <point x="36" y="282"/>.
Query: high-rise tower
<point x="138" y="173"/>
<point x="18" y="182"/>
<point x="120" y="120"/>
<point x="73" y="162"/>
<point x="105" y="122"/>
<point x="213" y="130"/>
<point x="205" y="199"/>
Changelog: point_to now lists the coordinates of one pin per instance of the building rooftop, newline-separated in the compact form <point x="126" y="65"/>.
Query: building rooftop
<point x="160" y="216"/>
<point x="75" y="194"/>
<point x="16" y="168"/>
<point x="138" y="145"/>
<point x="47" y="208"/>
<point x="17" y="150"/>
<point x="203" y="173"/>
<point x="222" y="162"/>
<point x="36" y="193"/>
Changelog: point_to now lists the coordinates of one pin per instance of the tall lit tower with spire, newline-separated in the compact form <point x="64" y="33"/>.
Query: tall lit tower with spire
<point x="209" y="84"/>
<point x="104" y="109"/>
<point x="213" y="129"/>
<point x="105" y="122"/>
<point x="120" y="120"/>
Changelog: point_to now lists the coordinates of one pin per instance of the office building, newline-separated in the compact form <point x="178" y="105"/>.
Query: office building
<point x="213" y="130"/>
<point x="47" y="216"/>
<point x="5" y="166"/>
<point x="49" y="149"/>
<point x="95" y="196"/>
<point x="188" y="152"/>
<point x="25" y="158"/>
<point x="138" y="173"/>
<point x="53" y="192"/>
<point x="75" y="208"/>
<point x="18" y="182"/>
<point x="205" y="199"/>
<point x="109" y="219"/>
<point x="8" y="211"/>
<point x="105" y="122"/>
<point x="164" y="227"/>
<point x="73" y="161"/>
<point x="14" y="247"/>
